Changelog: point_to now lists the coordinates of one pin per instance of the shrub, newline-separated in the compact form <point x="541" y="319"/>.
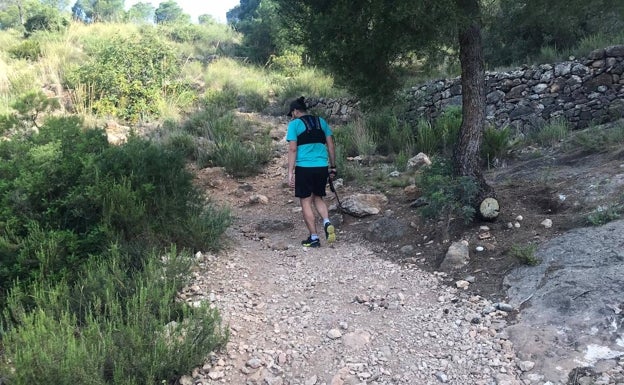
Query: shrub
<point x="28" y="49"/>
<point x="69" y="195"/>
<point x="603" y="215"/>
<point x="47" y="19"/>
<point x="241" y="159"/>
<point x="111" y="326"/>
<point x="525" y="254"/>
<point x="447" y="195"/>
<point x="128" y="77"/>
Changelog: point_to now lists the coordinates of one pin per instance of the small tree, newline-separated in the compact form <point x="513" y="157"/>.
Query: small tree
<point x="170" y="11"/>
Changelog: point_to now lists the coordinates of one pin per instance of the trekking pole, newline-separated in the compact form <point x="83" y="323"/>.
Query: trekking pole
<point x="333" y="189"/>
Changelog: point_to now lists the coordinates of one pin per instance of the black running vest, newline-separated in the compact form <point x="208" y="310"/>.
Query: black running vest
<point x="314" y="132"/>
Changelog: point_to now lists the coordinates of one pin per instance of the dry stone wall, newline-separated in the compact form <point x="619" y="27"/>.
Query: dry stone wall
<point x="582" y="91"/>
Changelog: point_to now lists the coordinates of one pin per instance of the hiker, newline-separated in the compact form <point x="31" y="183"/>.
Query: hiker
<point x="311" y="160"/>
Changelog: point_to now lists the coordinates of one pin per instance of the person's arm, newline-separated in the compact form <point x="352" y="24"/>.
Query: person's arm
<point x="292" y="157"/>
<point x="331" y="151"/>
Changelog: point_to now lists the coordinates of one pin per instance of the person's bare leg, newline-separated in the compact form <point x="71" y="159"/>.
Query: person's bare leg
<point x="308" y="214"/>
<point x="321" y="207"/>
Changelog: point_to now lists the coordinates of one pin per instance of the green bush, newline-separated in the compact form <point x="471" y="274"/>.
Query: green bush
<point x="241" y="159"/>
<point x="603" y="215"/>
<point x="128" y="77"/>
<point x="28" y="49"/>
<point x="69" y="195"/>
<point x="111" y="326"/>
<point x="447" y="195"/>
<point x="525" y="254"/>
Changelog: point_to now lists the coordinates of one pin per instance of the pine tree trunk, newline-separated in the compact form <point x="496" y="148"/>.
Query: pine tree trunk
<point x="466" y="155"/>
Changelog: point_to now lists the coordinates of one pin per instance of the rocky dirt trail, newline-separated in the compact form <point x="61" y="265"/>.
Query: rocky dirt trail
<point x="343" y="315"/>
<point x="338" y="314"/>
<point x="365" y="312"/>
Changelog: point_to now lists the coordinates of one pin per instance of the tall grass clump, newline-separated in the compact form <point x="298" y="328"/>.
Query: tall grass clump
<point x="447" y="127"/>
<point x="552" y="133"/>
<point x="596" y="139"/>
<point x="221" y="139"/>
<point x="496" y="144"/>
<point x="426" y="140"/>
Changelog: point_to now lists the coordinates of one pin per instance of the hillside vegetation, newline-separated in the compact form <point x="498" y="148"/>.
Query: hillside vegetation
<point x="96" y="239"/>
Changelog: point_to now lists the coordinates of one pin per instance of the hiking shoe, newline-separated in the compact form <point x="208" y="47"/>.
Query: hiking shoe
<point x="311" y="243"/>
<point x="330" y="232"/>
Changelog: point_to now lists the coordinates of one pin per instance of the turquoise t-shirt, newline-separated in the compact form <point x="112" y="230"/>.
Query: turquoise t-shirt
<point x="312" y="154"/>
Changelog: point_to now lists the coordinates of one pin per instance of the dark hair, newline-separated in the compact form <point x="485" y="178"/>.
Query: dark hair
<point x="297" y="104"/>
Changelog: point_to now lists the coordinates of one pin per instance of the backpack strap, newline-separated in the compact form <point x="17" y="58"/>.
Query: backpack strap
<point x="314" y="132"/>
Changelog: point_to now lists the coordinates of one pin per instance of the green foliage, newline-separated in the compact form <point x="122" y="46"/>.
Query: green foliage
<point x="288" y="63"/>
<point x="596" y="139"/>
<point x="66" y="194"/>
<point x="496" y="144"/>
<point x="518" y="31"/>
<point x="390" y="135"/>
<point x="525" y="254"/>
<point x="241" y="159"/>
<point x="28" y="49"/>
<point x="98" y="10"/>
<point x="28" y="108"/>
<point x="113" y="325"/>
<point x="603" y="215"/>
<point x="426" y="140"/>
<point x="170" y="12"/>
<point x="141" y="12"/>
<point x="47" y="19"/>
<point x="128" y="77"/>
<point x="447" y="195"/>
<point x="447" y="127"/>
<point x="552" y="133"/>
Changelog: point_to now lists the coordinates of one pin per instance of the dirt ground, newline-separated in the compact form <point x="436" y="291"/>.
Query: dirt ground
<point x="532" y="185"/>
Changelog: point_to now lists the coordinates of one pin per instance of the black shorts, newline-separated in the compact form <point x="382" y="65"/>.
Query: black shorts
<point x="310" y="180"/>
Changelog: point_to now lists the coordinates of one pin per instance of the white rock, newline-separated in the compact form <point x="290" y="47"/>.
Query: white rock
<point x="334" y="334"/>
<point x="547" y="223"/>
<point x="525" y="366"/>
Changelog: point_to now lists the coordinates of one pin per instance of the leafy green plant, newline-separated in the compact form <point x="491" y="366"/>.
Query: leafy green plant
<point x="603" y="215"/>
<point x="241" y="159"/>
<point x="128" y="77"/>
<point x="28" y="49"/>
<point x="113" y="325"/>
<point x="446" y="128"/>
<point x="69" y="194"/>
<point x="525" y="254"/>
<point x="28" y="109"/>
<point x="447" y="195"/>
